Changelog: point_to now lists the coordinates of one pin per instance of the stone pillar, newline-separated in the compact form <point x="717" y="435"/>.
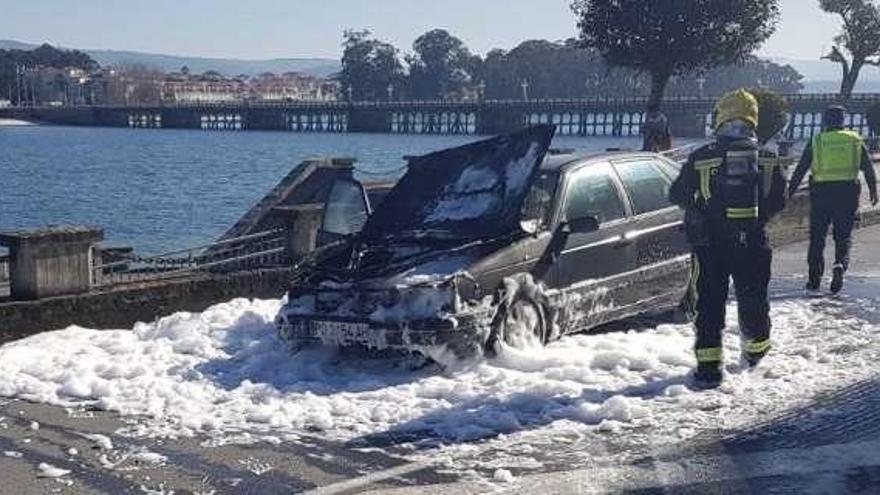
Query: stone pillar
<point x="50" y="262"/>
<point x="301" y="226"/>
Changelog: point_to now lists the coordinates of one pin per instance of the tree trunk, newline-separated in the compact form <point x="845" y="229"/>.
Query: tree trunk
<point x="659" y="81"/>
<point x="847" y="86"/>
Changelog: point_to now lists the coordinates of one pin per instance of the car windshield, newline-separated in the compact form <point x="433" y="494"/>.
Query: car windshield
<point x="538" y="205"/>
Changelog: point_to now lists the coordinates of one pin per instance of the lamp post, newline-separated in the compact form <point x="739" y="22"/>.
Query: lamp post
<point x="350" y="92"/>
<point x="481" y="90"/>
<point x="390" y="90"/>
<point x="525" y="89"/>
<point x="701" y="82"/>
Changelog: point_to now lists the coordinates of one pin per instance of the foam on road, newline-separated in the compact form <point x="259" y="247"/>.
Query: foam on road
<point x="224" y="374"/>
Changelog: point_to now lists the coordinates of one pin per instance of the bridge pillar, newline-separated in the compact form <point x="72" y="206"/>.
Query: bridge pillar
<point x="369" y="120"/>
<point x="498" y="121"/>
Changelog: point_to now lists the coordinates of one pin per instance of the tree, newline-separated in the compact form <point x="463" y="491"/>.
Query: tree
<point x="751" y="72"/>
<point x="860" y="38"/>
<point x="672" y="37"/>
<point x="369" y="66"/>
<point x="440" y="65"/>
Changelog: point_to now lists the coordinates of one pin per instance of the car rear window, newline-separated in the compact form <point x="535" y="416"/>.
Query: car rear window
<point x="647" y="186"/>
<point x="592" y="192"/>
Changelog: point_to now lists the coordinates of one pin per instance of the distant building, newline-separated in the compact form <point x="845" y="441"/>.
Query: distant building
<point x="213" y="87"/>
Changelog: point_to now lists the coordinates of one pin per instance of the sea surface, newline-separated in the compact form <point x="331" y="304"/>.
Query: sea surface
<point x="160" y="190"/>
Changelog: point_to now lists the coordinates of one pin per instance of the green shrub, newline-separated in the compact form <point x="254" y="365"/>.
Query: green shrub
<point x="773" y="114"/>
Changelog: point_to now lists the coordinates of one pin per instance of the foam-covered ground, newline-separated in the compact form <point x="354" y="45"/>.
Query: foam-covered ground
<point x="224" y="374"/>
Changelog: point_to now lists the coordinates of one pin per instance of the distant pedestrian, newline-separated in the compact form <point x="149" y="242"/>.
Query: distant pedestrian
<point x="655" y="131"/>
<point x="730" y="189"/>
<point x="834" y="159"/>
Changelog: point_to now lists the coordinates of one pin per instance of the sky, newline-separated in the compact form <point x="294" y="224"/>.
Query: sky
<point x="257" y="29"/>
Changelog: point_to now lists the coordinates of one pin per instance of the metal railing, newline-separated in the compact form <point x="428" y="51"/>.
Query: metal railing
<point x="259" y="250"/>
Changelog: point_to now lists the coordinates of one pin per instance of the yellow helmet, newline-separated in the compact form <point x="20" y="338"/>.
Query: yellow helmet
<point x="739" y="104"/>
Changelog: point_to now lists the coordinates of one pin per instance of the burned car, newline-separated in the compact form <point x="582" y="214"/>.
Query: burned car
<point x="496" y="241"/>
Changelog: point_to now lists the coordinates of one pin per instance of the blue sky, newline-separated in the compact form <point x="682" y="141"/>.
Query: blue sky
<point x="289" y="28"/>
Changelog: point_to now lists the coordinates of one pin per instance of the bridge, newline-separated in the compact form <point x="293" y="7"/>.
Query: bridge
<point x="689" y="116"/>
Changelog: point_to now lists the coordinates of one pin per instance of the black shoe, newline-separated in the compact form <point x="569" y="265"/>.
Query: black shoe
<point x="708" y="376"/>
<point x="752" y="360"/>
<point x="813" y="284"/>
<point x="837" y="279"/>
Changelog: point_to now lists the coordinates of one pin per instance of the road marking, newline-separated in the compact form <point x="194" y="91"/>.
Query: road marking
<point x="365" y="481"/>
<point x="835" y="458"/>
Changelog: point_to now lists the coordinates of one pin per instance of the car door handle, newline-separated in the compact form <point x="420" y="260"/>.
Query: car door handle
<point x="624" y="241"/>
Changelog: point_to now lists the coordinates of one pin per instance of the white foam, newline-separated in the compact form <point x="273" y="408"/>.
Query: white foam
<point x="224" y="374"/>
<point x="49" y="471"/>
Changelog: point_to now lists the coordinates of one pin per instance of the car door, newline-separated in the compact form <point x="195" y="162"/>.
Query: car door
<point x="660" y="249"/>
<point x="589" y="264"/>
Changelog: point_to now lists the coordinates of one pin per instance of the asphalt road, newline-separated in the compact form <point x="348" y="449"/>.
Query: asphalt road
<point x="800" y="452"/>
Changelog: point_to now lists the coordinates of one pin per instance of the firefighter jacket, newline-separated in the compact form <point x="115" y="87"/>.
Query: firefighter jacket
<point x="728" y="187"/>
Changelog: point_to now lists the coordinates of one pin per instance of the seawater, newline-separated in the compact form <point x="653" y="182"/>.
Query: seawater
<point x="159" y="190"/>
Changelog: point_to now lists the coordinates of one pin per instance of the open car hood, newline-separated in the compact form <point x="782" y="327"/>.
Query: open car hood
<point x="471" y="192"/>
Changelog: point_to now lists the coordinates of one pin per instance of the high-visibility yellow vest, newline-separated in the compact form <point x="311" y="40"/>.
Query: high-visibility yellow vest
<point x="837" y="156"/>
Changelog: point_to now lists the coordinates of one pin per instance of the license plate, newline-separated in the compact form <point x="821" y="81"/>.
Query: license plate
<point x="340" y="331"/>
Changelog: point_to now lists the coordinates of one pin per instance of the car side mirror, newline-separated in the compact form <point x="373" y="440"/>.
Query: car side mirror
<point x="582" y="225"/>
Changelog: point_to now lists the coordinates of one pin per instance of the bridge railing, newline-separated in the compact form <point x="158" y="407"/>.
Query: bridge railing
<point x="344" y="104"/>
<point x="259" y="250"/>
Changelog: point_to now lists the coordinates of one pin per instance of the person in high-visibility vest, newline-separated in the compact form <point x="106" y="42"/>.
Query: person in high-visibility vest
<point x="729" y="189"/>
<point x="834" y="159"/>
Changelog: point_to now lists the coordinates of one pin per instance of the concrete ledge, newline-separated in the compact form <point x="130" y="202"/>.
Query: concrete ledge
<point x="121" y="308"/>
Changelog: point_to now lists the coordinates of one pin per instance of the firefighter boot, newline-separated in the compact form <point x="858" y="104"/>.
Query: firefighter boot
<point x="708" y="376"/>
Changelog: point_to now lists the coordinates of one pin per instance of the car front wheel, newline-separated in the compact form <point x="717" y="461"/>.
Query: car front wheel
<point x="520" y="323"/>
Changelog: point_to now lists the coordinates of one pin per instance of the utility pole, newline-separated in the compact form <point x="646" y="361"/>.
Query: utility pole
<point x="18" y="84"/>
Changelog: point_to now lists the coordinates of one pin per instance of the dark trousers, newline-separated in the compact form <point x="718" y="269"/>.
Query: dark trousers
<point x="747" y="261"/>
<point x="831" y="204"/>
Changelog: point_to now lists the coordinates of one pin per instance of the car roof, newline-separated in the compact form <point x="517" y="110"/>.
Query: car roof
<point x="561" y="161"/>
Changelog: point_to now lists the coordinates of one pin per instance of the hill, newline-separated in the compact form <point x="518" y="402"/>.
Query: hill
<point x="321" y="67"/>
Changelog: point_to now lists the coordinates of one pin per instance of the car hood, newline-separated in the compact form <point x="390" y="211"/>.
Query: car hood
<point x="471" y="192"/>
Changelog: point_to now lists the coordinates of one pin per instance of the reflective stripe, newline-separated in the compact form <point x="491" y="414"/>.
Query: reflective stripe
<point x="836" y="156"/>
<point x="706" y="168"/>
<point x="742" y="213"/>
<point x="758" y="346"/>
<point x="710" y="355"/>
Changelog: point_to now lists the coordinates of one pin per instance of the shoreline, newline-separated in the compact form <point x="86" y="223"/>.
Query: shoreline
<point x="15" y="123"/>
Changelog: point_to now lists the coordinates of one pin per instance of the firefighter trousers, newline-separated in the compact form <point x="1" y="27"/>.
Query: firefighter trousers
<point x="747" y="261"/>
<point x="834" y="204"/>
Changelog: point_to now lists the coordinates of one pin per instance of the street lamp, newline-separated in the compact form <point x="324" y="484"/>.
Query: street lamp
<point x="390" y="90"/>
<point x="481" y="90"/>
<point x="350" y="92"/>
<point x="525" y="89"/>
<point x="701" y="81"/>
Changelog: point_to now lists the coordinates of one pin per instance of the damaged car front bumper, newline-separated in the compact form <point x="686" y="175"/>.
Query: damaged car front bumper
<point x="459" y="333"/>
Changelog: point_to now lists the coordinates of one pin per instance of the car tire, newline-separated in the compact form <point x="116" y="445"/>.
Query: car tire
<point x="520" y="321"/>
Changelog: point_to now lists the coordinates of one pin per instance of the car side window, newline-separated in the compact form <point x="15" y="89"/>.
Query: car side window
<point x="592" y="191"/>
<point x="647" y="186"/>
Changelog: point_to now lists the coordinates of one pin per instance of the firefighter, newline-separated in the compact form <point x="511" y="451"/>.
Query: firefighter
<point x="834" y="158"/>
<point x="729" y="189"/>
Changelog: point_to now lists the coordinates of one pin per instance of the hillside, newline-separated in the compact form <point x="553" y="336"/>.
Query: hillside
<point x="316" y="66"/>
